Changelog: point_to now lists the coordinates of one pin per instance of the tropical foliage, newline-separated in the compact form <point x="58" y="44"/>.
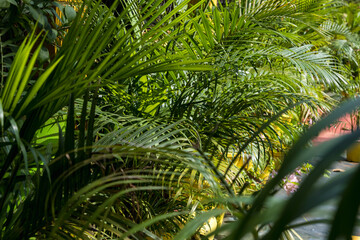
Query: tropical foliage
<point x="155" y="116"/>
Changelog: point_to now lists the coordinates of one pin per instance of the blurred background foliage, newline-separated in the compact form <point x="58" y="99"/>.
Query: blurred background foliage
<point x="147" y="119"/>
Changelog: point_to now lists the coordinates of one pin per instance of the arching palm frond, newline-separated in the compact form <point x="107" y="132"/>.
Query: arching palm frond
<point x="148" y="163"/>
<point x="255" y="78"/>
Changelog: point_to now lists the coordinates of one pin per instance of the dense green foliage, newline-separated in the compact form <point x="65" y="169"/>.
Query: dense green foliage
<point x="156" y="117"/>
